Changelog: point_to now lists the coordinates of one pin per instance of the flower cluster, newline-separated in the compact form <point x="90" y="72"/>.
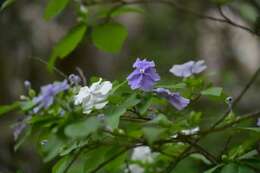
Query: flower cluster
<point x="144" y="77"/>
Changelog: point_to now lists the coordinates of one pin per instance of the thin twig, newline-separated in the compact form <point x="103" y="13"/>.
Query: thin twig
<point x="242" y="118"/>
<point x="72" y="161"/>
<point x="229" y="21"/>
<point x="104" y="163"/>
<point x="204" y="152"/>
<point x="248" y="85"/>
<point x="58" y="71"/>
<point x="178" y="7"/>
<point x="82" y="76"/>
<point x="239" y="97"/>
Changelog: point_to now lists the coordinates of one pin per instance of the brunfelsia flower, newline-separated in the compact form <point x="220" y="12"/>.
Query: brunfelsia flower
<point x="189" y="68"/>
<point x="144" y="76"/>
<point x="94" y="96"/>
<point x="174" y="98"/>
<point x="47" y="94"/>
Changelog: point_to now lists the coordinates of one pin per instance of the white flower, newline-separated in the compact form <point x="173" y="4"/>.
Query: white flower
<point x="142" y="154"/>
<point x="94" y="96"/>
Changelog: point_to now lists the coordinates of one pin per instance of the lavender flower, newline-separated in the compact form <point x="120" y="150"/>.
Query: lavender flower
<point x="47" y="94"/>
<point x="189" y="68"/>
<point x="144" y="76"/>
<point x="18" y="129"/>
<point x="175" y="99"/>
<point x="74" y="79"/>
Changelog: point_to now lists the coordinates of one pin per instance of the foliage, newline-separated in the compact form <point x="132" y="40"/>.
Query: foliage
<point x="96" y="128"/>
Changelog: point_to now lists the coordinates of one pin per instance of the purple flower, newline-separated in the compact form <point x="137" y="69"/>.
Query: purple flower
<point x="144" y="76"/>
<point x="18" y="129"/>
<point x="189" y="68"/>
<point x="47" y="94"/>
<point x="74" y="79"/>
<point x="175" y="99"/>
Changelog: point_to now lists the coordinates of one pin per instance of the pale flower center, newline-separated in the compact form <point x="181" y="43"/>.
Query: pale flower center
<point x="142" y="71"/>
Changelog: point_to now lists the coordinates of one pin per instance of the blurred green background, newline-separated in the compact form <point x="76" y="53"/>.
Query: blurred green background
<point x="160" y="33"/>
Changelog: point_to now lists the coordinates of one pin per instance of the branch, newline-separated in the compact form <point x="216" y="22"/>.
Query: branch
<point x="201" y="150"/>
<point x="248" y="85"/>
<point x="239" y="97"/>
<point x="242" y="118"/>
<point x="104" y="163"/>
<point x="176" y="6"/>
<point x="229" y="21"/>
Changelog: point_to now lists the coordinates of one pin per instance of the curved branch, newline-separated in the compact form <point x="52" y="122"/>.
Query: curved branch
<point x="176" y="6"/>
<point x="239" y="97"/>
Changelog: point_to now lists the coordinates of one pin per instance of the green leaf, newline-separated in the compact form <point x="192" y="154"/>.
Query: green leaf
<point x="253" y="162"/>
<point x="200" y="157"/>
<point x="6" y="4"/>
<point x="50" y="146"/>
<point x="83" y="128"/>
<point x="109" y="37"/>
<point x="213" y="91"/>
<point x="127" y="9"/>
<point x="23" y="138"/>
<point x="61" y="165"/>
<point x="212" y="170"/>
<point x="113" y="115"/>
<point x="152" y="133"/>
<point x="245" y="169"/>
<point x="54" y="7"/>
<point x="67" y="44"/>
<point x="254" y="129"/>
<point x="8" y="108"/>
<point x="145" y="105"/>
<point x="181" y="85"/>
<point x="230" y="168"/>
